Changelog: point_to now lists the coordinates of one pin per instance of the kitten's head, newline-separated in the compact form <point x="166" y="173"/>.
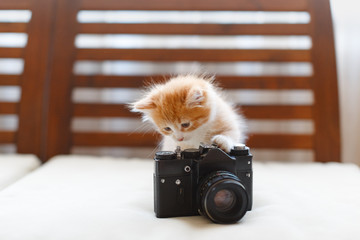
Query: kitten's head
<point x="179" y="107"/>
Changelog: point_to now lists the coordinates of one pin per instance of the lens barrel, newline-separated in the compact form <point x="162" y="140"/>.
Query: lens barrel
<point x="223" y="198"/>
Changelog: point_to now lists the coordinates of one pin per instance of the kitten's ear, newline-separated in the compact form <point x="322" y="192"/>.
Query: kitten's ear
<point x="195" y="97"/>
<point x="143" y="105"/>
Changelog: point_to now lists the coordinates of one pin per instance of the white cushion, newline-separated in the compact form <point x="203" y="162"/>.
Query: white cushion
<point x="74" y="198"/>
<point x="15" y="166"/>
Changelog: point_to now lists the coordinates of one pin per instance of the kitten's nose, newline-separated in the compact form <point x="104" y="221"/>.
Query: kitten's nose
<point x="180" y="139"/>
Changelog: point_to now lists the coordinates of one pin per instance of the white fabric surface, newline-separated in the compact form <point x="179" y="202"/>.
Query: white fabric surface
<point x="15" y="166"/>
<point x="72" y="198"/>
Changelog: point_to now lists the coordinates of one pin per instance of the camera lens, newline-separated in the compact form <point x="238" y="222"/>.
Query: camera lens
<point x="223" y="198"/>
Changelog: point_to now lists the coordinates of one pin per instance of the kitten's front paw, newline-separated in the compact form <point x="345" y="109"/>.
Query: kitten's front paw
<point x="223" y="142"/>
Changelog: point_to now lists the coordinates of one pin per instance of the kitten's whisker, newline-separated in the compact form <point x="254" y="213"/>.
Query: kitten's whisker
<point x="155" y="150"/>
<point x="141" y="128"/>
<point x="147" y="131"/>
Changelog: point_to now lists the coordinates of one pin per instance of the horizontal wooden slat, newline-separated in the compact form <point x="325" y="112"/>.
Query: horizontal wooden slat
<point x="7" y="137"/>
<point x="281" y="141"/>
<point x="204" y="55"/>
<point x="264" y="82"/>
<point x="277" y="112"/>
<point x="9" y="80"/>
<point x="18" y="4"/>
<point x="231" y="82"/>
<point x="11" y="52"/>
<point x="242" y="5"/>
<point x="102" y="110"/>
<point x="12" y="27"/>
<point x="102" y="139"/>
<point x="8" y="108"/>
<point x="196" y="29"/>
<point x="108" y="81"/>
<point x="115" y="139"/>
<point x="251" y="112"/>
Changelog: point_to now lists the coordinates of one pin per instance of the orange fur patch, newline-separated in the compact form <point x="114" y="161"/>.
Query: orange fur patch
<point x="172" y="108"/>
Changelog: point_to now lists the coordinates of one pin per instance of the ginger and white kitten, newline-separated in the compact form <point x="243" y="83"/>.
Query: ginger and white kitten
<point x="189" y="109"/>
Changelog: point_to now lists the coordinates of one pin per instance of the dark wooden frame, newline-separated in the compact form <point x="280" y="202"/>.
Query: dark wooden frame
<point x="29" y="137"/>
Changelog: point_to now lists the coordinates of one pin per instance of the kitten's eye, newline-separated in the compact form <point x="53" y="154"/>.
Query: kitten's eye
<point x="167" y="129"/>
<point x="185" y="125"/>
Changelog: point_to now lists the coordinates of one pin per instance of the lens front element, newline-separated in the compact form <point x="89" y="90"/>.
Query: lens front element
<point x="223" y="198"/>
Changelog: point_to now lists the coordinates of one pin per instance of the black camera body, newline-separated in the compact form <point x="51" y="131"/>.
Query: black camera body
<point x="204" y="181"/>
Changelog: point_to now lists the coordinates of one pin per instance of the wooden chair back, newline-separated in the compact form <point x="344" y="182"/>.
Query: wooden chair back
<point x="51" y="76"/>
<point x="24" y="71"/>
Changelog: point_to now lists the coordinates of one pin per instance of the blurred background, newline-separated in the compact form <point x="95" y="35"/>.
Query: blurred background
<point x="347" y="36"/>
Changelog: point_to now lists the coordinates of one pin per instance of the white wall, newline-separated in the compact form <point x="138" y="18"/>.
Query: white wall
<point x="346" y="15"/>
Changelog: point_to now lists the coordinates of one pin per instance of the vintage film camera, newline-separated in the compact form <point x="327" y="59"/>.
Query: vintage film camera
<point x="204" y="181"/>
